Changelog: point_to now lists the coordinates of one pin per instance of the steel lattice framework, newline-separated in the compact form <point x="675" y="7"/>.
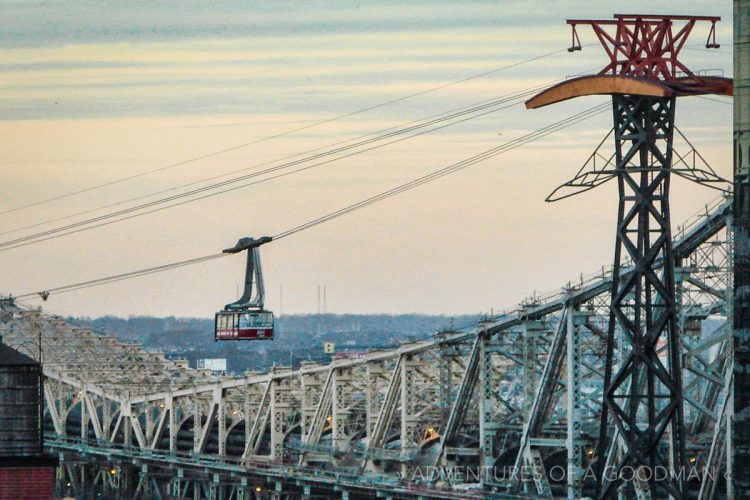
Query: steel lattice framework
<point x="449" y="416"/>
<point x="643" y="394"/>
<point x="629" y="368"/>
<point x="646" y="46"/>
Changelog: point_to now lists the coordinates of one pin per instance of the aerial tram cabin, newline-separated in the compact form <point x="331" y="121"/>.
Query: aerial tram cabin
<point x="246" y="319"/>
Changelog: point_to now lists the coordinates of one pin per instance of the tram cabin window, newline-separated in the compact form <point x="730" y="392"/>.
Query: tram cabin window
<point x="248" y="324"/>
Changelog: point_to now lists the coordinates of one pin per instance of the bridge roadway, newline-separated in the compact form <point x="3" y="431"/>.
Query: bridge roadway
<point x="246" y="477"/>
<point x="451" y="416"/>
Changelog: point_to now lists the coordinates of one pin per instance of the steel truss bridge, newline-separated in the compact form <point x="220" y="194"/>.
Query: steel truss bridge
<point x="507" y="407"/>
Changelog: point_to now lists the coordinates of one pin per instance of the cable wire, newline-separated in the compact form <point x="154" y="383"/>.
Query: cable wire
<point x="473" y="160"/>
<point x="583" y="115"/>
<point x="730" y="102"/>
<point x="275" y="136"/>
<point x="513" y="95"/>
<point x="120" y="277"/>
<point x="91" y="223"/>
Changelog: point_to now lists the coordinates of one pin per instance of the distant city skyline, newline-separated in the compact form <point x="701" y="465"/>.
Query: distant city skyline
<point x="93" y="92"/>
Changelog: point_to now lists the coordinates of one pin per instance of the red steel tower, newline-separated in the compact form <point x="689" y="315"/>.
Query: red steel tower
<point x="643" y="400"/>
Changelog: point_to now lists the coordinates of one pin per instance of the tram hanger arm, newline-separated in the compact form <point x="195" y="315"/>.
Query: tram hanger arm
<point x="247" y="244"/>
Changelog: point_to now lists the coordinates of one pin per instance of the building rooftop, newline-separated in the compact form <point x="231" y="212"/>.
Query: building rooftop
<point x="11" y="357"/>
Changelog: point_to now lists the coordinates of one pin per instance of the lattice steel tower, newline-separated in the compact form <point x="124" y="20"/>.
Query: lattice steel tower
<point x="642" y="384"/>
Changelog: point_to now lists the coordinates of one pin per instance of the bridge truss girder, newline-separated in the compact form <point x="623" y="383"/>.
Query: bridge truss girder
<point x="456" y="399"/>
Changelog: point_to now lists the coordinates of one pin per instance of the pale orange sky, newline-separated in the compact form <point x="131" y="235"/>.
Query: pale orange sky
<point x="78" y="111"/>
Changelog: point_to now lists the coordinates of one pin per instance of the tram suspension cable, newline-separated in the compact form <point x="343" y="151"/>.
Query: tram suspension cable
<point x="506" y="98"/>
<point x="275" y="136"/>
<point x="119" y="277"/>
<point x="473" y="160"/>
<point x="418" y="130"/>
<point x="455" y="167"/>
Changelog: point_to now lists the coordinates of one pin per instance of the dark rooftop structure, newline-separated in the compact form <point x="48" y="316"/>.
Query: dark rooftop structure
<point x="12" y="357"/>
<point x="20" y="404"/>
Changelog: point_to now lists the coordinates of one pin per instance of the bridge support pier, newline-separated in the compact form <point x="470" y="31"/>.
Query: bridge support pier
<point x="340" y="404"/>
<point x="408" y="417"/>
<point x="486" y="406"/>
<point x="533" y="330"/>
<point x="575" y="322"/>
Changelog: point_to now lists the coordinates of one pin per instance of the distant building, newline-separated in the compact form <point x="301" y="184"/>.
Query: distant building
<point x="349" y="355"/>
<point x="218" y="366"/>
<point x="25" y="472"/>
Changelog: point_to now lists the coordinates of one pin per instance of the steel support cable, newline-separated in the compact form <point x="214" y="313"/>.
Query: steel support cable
<point x="91" y="223"/>
<point x="730" y="101"/>
<point x="583" y="115"/>
<point x="276" y="136"/>
<point x="518" y="142"/>
<point x="513" y="95"/>
<point x="398" y="131"/>
<point x="123" y="276"/>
